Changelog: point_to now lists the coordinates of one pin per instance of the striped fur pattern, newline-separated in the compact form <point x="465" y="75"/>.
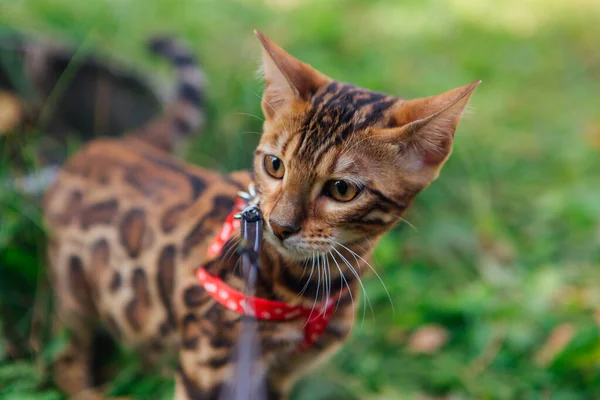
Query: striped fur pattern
<point x="336" y="167"/>
<point x="183" y="117"/>
<point x="186" y="112"/>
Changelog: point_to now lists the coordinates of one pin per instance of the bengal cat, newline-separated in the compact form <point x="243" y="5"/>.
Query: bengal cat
<point x="336" y="167"/>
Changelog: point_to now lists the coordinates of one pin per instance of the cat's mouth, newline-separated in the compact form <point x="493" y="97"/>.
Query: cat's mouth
<point x="298" y="248"/>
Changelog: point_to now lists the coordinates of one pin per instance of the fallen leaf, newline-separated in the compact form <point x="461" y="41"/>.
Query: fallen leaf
<point x="558" y="339"/>
<point x="428" y="339"/>
<point x="10" y="112"/>
<point x="592" y="135"/>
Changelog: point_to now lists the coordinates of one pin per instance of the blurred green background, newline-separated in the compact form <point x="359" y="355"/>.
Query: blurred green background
<point x="496" y="289"/>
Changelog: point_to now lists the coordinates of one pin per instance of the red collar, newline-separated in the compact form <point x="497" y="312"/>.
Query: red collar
<point x="317" y="318"/>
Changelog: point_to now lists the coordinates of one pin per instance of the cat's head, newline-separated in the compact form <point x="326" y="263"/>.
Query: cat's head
<point x="341" y="164"/>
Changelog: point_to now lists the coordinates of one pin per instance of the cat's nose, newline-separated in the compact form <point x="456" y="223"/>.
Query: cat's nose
<point x="283" y="231"/>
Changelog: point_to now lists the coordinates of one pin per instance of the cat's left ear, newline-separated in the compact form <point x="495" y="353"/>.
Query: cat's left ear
<point x="288" y="80"/>
<point x="425" y="127"/>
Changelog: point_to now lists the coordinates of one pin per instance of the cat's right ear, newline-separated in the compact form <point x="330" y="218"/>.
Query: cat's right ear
<point x="288" y="80"/>
<point x="425" y="127"/>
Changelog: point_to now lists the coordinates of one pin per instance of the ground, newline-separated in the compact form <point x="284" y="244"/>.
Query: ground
<point x="494" y="277"/>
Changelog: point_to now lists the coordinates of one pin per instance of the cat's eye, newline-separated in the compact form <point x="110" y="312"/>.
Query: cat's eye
<point x="274" y="166"/>
<point x="341" y="190"/>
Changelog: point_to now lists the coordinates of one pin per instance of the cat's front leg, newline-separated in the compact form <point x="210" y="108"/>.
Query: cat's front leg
<point x="189" y="385"/>
<point x="196" y="380"/>
<point x="285" y="371"/>
<point x="198" y="383"/>
<point x="205" y="358"/>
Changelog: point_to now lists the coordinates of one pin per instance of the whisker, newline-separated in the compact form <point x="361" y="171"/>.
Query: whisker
<point x="328" y="270"/>
<point x="347" y="285"/>
<point x="304" y="269"/>
<point x="231" y="249"/>
<point x="362" y="247"/>
<point x="317" y="292"/>
<point x="407" y="222"/>
<point x="309" y="277"/>
<point x="376" y="274"/>
<point x="228" y="245"/>
<point x="357" y="276"/>
<point x="250" y="115"/>
<point x="237" y="265"/>
<point x="330" y="286"/>
<point x="326" y="284"/>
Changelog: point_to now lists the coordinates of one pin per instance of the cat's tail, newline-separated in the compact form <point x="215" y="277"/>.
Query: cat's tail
<point x="186" y="113"/>
<point x="183" y="116"/>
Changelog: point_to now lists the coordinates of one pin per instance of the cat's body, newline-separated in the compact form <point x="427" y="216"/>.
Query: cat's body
<point x="129" y="225"/>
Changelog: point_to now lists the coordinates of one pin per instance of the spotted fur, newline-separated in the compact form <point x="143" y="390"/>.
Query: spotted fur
<point x="129" y="225"/>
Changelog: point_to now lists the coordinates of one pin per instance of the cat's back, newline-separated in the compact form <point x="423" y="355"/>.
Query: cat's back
<point x="109" y="175"/>
<point x="128" y="170"/>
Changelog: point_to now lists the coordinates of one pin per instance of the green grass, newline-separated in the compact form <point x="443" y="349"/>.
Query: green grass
<point x="506" y="245"/>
